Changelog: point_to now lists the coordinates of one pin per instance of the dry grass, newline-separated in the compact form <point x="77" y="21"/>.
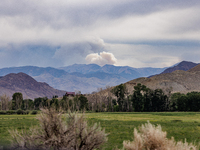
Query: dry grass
<point x="153" y="138"/>
<point x="54" y="133"/>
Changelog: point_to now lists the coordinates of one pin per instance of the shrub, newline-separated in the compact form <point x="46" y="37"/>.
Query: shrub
<point x="2" y="112"/>
<point x="54" y="133"/>
<point x="34" y="112"/>
<point x="26" y="112"/>
<point x="20" y="112"/>
<point x="10" y="112"/>
<point x="153" y="138"/>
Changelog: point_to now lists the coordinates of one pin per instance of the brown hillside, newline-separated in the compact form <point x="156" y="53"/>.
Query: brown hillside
<point x="194" y="69"/>
<point x="177" y="81"/>
<point x="26" y="85"/>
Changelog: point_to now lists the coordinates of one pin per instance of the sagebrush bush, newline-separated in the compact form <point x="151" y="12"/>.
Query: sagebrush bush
<point x="55" y="133"/>
<point x="152" y="137"/>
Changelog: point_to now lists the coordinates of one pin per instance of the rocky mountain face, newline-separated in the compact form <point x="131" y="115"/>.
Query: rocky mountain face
<point x="26" y="85"/>
<point x="82" y="77"/>
<point x="184" y="65"/>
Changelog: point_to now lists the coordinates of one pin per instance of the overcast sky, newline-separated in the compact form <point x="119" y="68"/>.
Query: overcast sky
<point x="136" y="33"/>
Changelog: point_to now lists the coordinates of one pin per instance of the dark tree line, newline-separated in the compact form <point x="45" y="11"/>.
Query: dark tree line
<point x="76" y="103"/>
<point x="142" y="99"/>
<point x="185" y="102"/>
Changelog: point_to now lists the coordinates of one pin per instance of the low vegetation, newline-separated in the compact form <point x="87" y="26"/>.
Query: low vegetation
<point x="152" y="137"/>
<point x="119" y="125"/>
<point x="117" y="99"/>
<point x="54" y="133"/>
<point x="132" y="110"/>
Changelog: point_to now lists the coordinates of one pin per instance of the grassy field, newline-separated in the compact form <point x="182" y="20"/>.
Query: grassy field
<point x="120" y="126"/>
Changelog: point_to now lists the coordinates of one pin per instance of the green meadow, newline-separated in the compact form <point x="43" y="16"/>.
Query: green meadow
<point x="119" y="126"/>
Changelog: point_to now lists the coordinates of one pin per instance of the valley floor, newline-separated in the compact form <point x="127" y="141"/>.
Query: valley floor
<point x="120" y="126"/>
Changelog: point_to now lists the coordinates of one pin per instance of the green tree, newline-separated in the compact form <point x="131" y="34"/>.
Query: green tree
<point x="145" y="99"/>
<point x="182" y="103"/>
<point x="137" y="98"/>
<point x="173" y="105"/>
<point x="83" y="102"/>
<point x="17" y="100"/>
<point x="40" y="102"/>
<point x="64" y="103"/>
<point x="193" y="101"/>
<point x="159" y="100"/>
<point x="54" y="103"/>
<point x="120" y="92"/>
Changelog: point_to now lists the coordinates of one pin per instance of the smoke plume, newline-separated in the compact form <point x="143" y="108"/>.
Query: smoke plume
<point x="102" y="59"/>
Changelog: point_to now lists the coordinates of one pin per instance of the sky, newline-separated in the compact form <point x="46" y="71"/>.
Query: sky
<point x="136" y="33"/>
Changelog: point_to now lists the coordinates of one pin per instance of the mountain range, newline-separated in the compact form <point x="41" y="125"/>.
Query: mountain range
<point x="82" y="77"/>
<point x="25" y="84"/>
<point x="87" y="78"/>
<point x="184" y="65"/>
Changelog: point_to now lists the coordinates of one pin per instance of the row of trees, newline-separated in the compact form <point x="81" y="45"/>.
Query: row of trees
<point x="76" y="103"/>
<point x="142" y="99"/>
<point x="185" y="102"/>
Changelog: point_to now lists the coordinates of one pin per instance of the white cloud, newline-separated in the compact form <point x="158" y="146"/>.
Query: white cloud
<point x="102" y="59"/>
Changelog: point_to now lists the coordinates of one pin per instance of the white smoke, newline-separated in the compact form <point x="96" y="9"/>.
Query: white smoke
<point x="102" y="59"/>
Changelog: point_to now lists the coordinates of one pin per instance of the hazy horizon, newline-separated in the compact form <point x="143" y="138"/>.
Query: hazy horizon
<point x="89" y="64"/>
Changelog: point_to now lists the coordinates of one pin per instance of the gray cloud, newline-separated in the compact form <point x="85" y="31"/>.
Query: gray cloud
<point x="64" y="32"/>
<point x="76" y="52"/>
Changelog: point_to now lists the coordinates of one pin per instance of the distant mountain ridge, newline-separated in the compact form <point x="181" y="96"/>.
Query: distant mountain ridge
<point x="25" y="84"/>
<point x="184" y="65"/>
<point x="33" y="71"/>
<point x="121" y="70"/>
<point x="82" y="77"/>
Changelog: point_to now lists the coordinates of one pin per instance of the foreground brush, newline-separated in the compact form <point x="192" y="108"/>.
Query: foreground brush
<point x="153" y="138"/>
<point x="55" y="133"/>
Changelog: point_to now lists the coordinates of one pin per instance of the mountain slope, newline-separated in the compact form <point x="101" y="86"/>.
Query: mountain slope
<point x="184" y="65"/>
<point x="28" y="86"/>
<point x="195" y="69"/>
<point x="177" y="81"/>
